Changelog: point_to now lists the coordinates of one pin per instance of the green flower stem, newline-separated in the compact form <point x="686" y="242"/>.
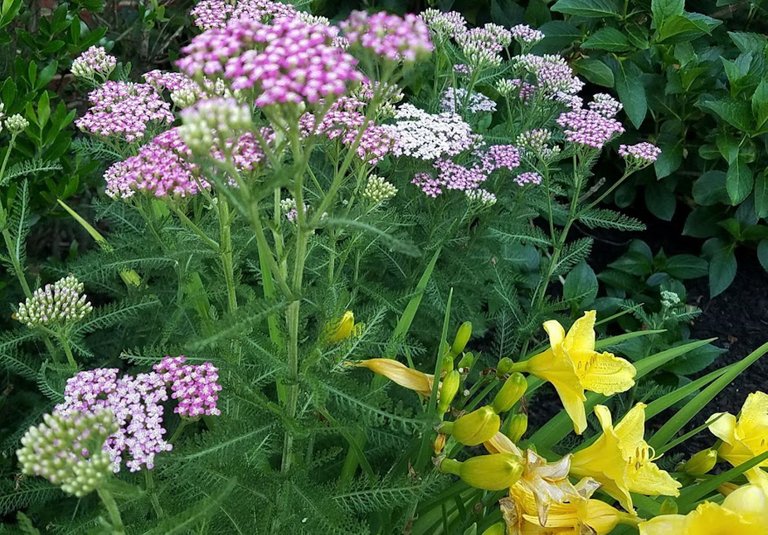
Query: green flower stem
<point x="186" y="221"/>
<point x="152" y="492"/>
<point x="67" y="350"/>
<point x="225" y="252"/>
<point x="113" y="511"/>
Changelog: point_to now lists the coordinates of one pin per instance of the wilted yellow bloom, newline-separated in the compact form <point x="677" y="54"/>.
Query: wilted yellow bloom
<point x="400" y="373"/>
<point x="572" y="365"/>
<point x="340" y="330"/>
<point x="581" y="515"/>
<point x="745" y="438"/>
<point x="547" y="482"/>
<point x="621" y="461"/>
<point x="743" y="512"/>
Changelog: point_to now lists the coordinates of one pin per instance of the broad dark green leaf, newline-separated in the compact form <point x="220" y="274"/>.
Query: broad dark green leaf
<point x="739" y="180"/>
<point x="685" y="266"/>
<point x="629" y="86"/>
<point x="580" y="285"/>
<point x="762" y="254"/>
<point x="722" y="271"/>
<point x="761" y="194"/>
<point x="589" y="8"/>
<point x="664" y="9"/>
<point x="595" y="71"/>
<point x="736" y="113"/>
<point x="608" y="38"/>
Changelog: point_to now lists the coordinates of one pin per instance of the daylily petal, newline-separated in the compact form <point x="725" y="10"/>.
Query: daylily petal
<point x="604" y="373"/>
<point x="664" y="525"/>
<point x="555" y="331"/>
<point x="631" y="428"/>
<point x="581" y="335"/>
<point x="400" y="373"/>
<point x="723" y="426"/>
<point x="750" y="501"/>
<point x="500" y="443"/>
<point x="713" y="518"/>
<point x="651" y="480"/>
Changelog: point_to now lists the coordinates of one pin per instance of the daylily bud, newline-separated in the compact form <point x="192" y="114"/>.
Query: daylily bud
<point x="342" y="329"/>
<point x="700" y="463"/>
<point x="516" y="427"/>
<point x="448" y="391"/>
<point x="510" y="392"/>
<point x="497" y="471"/>
<point x="497" y="529"/>
<point x="439" y="444"/>
<point x="400" y="374"/>
<point x="668" y="507"/>
<point x="476" y="427"/>
<point x="504" y="366"/>
<point x="467" y="361"/>
<point x="727" y="488"/>
<point x="462" y="337"/>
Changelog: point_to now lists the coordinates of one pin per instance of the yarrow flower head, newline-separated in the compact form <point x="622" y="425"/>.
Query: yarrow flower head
<point x="553" y="76"/>
<point x="195" y="387"/>
<point x="482" y="197"/>
<point x="378" y="190"/>
<point x="124" y="109"/>
<point x="288" y="207"/>
<point x="94" y="61"/>
<point x="515" y="87"/>
<point x="56" y="304"/>
<point x="444" y="24"/>
<point x="213" y="122"/>
<point x="605" y="105"/>
<point x="392" y="37"/>
<point x="209" y="14"/>
<point x="530" y="177"/>
<point x="482" y="47"/>
<point x="454" y="99"/>
<point x="161" y="168"/>
<point x="525" y="35"/>
<point x="640" y="155"/>
<point x="67" y="450"/>
<point x="589" y="128"/>
<point x="16" y="124"/>
<point x="289" y="61"/>
<point x="499" y="157"/>
<point x="427" y="136"/>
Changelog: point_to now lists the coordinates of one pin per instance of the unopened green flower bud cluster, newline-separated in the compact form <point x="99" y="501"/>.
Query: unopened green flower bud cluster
<point x="210" y="123"/>
<point x="56" y="304"/>
<point x="378" y="190"/>
<point x="67" y="450"/>
<point x="15" y="124"/>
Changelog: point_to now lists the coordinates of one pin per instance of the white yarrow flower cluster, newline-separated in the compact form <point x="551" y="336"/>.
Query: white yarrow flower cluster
<point x="482" y="197"/>
<point x="454" y="99"/>
<point x="428" y="136"/>
<point x="55" y="304"/>
<point x="16" y="124"/>
<point x="378" y="190"/>
<point x="211" y="123"/>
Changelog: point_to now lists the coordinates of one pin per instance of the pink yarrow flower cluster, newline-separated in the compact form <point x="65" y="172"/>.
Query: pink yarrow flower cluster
<point x="605" y="105"/>
<point x="445" y="24"/>
<point x="524" y="34"/>
<point x="195" y="387"/>
<point x="554" y="77"/>
<point x="589" y="128"/>
<point x="528" y="178"/>
<point x="210" y="14"/>
<point x="94" y="61"/>
<point x="641" y="153"/>
<point x="394" y="38"/>
<point x="453" y="176"/>
<point x="124" y="109"/>
<point x="289" y="61"/>
<point x="138" y="405"/>
<point x="170" y="81"/>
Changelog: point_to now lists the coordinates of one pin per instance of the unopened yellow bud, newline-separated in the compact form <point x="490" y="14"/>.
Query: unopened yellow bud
<point x="516" y="427"/>
<point x="476" y="427"/>
<point x="342" y="329"/>
<point x="510" y="392"/>
<point x="498" y="528"/>
<point x="668" y="507"/>
<point x="448" y="391"/>
<point x="462" y="337"/>
<point x="497" y="471"/>
<point x="700" y="463"/>
<point x="727" y="488"/>
<point x="466" y="362"/>
<point x="504" y="366"/>
<point x="400" y="374"/>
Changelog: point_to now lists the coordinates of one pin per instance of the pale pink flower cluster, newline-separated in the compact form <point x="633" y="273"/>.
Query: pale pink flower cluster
<point x="93" y="61"/>
<point x="454" y="100"/>
<point x="605" y="105"/>
<point x="124" y="109"/>
<point x="288" y="61"/>
<point x="589" y="128"/>
<point x="395" y="38"/>
<point x="499" y="157"/>
<point x="428" y="136"/>
<point x="210" y="14"/>
<point x="137" y="406"/>
<point x="446" y="24"/>
<point x="528" y="178"/>
<point x="641" y="153"/>
<point x="524" y="34"/>
<point x="170" y="81"/>
<point x="483" y="46"/>
<point x="516" y="87"/>
<point x="161" y="168"/>
<point x="553" y="76"/>
<point x="481" y="196"/>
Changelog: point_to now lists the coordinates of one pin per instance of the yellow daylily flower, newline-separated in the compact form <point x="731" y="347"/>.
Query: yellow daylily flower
<point x="547" y="482"/>
<point x="743" y="512"/>
<point x="400" y="373"/>
<point x="745" y="438"/>
<point x="572" y="365"/>
<point x="621" y="461"/>
<point x="580" y="515"/>
<point x="341" y="329"/>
